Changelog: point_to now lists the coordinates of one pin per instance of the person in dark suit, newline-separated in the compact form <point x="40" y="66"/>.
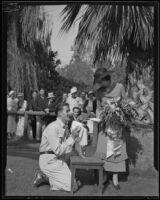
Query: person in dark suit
<point x="33" y="107"/>
<point x="90" y="104"/>
<point x="42" y="105"/>
<point x="51" y="107"/>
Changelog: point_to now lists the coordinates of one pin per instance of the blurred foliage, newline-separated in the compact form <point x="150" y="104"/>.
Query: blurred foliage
<point x="78" y="70"/>
<point x="30" y="62"/>
<point x="28" y="36"/>
<point x="52" y="81"/>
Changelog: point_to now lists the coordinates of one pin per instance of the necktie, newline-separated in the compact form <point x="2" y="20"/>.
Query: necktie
<point x="67" y="132"/>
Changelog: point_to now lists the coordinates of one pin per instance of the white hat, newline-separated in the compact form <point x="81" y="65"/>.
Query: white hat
<point x="90" y="92"/>
<point x="83" y="93"/>
<point x="73" y="90"/>
<point x="11" y="92"/>
<point x="50" y="95"/>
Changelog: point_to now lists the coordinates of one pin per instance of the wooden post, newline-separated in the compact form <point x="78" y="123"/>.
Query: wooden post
<point x="73" y="171"/>
<point x="25" y="133"/>
<point x="95" y="134"/>
<point x="100" y="180"/>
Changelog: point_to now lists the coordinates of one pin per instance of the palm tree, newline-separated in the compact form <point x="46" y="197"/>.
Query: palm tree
<point x="111" y="29"/>
<point x="113" y="32"/>
<point x="26" y="26"/>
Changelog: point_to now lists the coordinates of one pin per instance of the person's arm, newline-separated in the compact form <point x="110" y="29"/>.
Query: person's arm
<point x="24" y="107"/>
<point x="57" y="145"/>
<point x="84" y="106"/>
<point x="123" y="92"/>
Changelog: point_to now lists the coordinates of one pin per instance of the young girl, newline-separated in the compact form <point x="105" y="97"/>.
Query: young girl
<point x="80" y="145"/>
<point x="77" y="120"/>
<point x="111" y="147"/>
<point x="11" y="121"/>
<point x="22" y="106"/>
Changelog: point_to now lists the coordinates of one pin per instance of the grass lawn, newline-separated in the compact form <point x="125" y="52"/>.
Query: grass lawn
<point x="22" y="159"/>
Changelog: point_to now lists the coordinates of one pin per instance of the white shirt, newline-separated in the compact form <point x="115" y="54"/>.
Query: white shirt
<point x="24" y="106"/>
<point x="11" y="104"/>
<point x="73" y="102"/>
<point x="54" y="139"/>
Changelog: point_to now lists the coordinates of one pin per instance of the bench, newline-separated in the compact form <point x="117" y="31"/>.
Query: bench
<point x="87" y="163"/>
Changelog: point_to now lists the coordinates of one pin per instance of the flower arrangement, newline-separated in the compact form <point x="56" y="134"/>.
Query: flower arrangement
<point x="117" y="112"/>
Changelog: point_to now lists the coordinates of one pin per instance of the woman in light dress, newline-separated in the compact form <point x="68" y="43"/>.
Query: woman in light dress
<point x="22" y="106"/>
<point x="106" y="90"/>
<point x="11" y="121"/>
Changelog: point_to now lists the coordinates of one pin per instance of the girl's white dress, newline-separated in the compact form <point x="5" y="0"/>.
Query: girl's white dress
<point x="83" y="135"/>
<point x="20" y="124"/>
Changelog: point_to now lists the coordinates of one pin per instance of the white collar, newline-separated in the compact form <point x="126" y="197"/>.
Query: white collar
<point x="60" y="122"/>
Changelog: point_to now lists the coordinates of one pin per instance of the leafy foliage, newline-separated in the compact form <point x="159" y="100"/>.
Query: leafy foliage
<point x="117" y="113"/>
<point x="111" y="28"/>
<point x="28" y="39"/>
<point x="78" y="71"/>
<point x="51" y="80"/>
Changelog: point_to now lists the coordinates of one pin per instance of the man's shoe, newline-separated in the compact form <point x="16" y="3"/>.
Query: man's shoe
<point x="75" y="186"/>
<point x="38" y="179"/>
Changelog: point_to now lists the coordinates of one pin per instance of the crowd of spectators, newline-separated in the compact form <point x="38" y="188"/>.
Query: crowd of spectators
<point x="82" y="105"/>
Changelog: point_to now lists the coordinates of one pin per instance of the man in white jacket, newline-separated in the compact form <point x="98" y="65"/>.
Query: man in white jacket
<point x="73" y="100"/>
<point x="56" y="142"/>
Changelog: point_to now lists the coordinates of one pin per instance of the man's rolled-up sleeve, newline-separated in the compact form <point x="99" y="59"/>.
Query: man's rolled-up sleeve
<point x="58" y="146"/>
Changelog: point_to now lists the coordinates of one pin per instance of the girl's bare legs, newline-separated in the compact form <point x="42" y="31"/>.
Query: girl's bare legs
<point x="115" y="179"/>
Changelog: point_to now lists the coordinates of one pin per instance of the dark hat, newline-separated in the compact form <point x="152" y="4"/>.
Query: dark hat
<point x="100" y="73"/>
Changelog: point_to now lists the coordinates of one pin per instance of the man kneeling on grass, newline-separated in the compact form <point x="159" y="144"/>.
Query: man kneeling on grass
<point x="55" y="144"/>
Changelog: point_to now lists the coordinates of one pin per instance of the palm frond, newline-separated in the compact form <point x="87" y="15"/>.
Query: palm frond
<point x="101" y="27"/>
<point x="70" y="12"/>
<point x="35" y="25"/>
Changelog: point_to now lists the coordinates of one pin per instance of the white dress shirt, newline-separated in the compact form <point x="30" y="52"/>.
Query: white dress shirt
<point x="54" y="139"/>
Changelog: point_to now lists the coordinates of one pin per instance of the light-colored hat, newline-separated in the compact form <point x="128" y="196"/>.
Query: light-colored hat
<point x="11" y="92"/>
<point x="20" y="94"/>
<point x="73" y="90"/>
<point x="90" y="92"/>
<point x="50" y="95"/>
<point x="83" y="93"/>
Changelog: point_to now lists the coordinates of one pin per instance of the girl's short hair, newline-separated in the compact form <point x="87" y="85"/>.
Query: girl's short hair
<point x="77" y="109"/>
